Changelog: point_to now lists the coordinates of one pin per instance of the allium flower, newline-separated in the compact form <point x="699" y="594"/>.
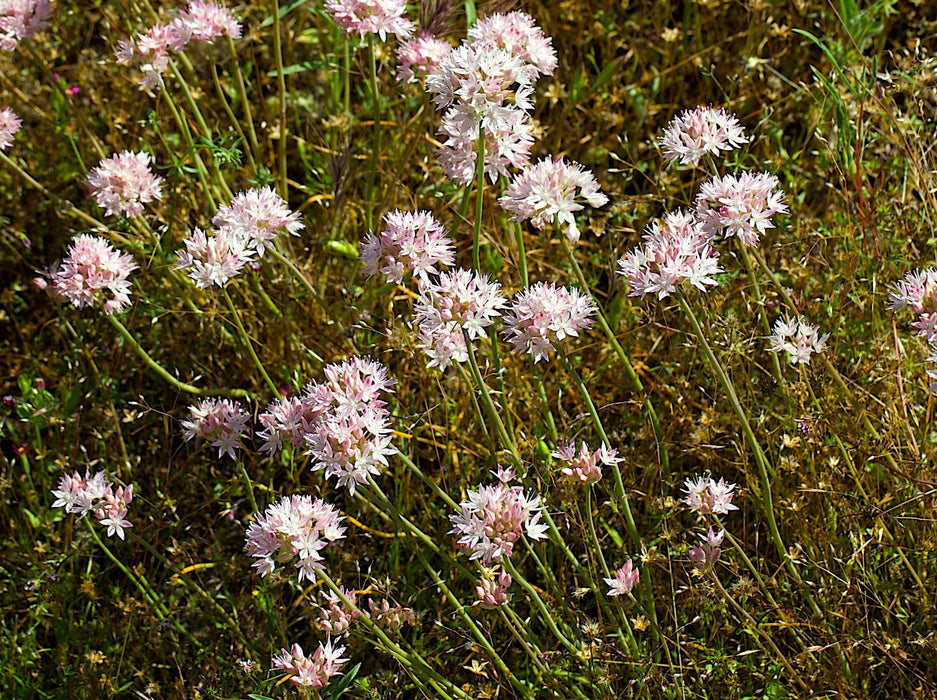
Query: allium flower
<point x="387" y="615"/>
<point x="410" y="242"/>
<point x="220" y="421"/>
<point x="584" y="465"/>
<point x="493" y="518"/>
<point x="703" y="556"/>
<point x="518" y="34"/>
<point x="507" y="144"/>
<point x="545" y="314"/>
<point x="674" y="250"/>
<point x="311" y="672"/>
<point x="335" y="616"/>
<point x="10" y="123"/>
<point x="363" y="17"/>
<point x="706" y="495"/>
<point x="255" y="217"/>
<point x="797" y="338"/>
<point x="443" y="344"/>
<point x="213" y="259"/>
<point x="20" y="19"/>
<point x="625" y="579"/>
<point x="547" y="192"/>
<point x="208" y="20"/>
<point x="462" y="296"/>
<point x="918" y="290"/>
<point x="693" y="134"/>
<point x="295" y="527"/>
<point x="492" y="592"/>
<point x="82" y="494"/>
<point x="290" y="418"/>
<point x="740" y="206"/>
<point x="417" y="57"/>
<point x="123" y="183"/>
<point x="91" y="267"/>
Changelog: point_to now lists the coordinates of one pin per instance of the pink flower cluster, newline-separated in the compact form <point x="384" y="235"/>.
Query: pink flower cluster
<point x="704" y="555"/>
<point x="244" y="230"/>
<point x="706" y="495"/>
<point x="797" y="338"/>
<point x="220" y="421"/>
<point x="310" y="671"/>
<point x="624" y="580"/>
<point x="548" y="191"/>
<point x="698" y="132"/>
<point x="10" y="123"/>
<point x="200" y="22"/>
<point x="492" y="591"/>
<point x="364" y="17"/>
<point x="411" y="242"/>
<point x="91" y="267"/>
<point x="740" y="206"/>
<point x="918" y="290"/>
<point x="674" y="250"/>
<point x="335" y="616"/>
<point x="417" y="57"/>
<point x="583" y="466"/>
<point x="84" y="494"/>
<point x="494" y="517"/>
<point x="123" y="183"/>
<point x="545" y="314"/>
<point x="20" y="19"/>
<point x="294" y="528"/>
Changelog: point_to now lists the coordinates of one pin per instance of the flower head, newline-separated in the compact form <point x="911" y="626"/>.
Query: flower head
<point x="465" y="297"/>
<point x="83" y="494"/>
<point x="363" y="17"/>
<point x="123" y="183"/>
<point x="208" y="20"/>
<point x="92" y="267"/>
<point x="220" y="421"/>
<point x="518" y="34"/>
<point x="701" y="131"/>
<point x="625" y="579"/>
<point x="703" y="556"/>
<point x="797" y="338"/>
<point x="410" y="242"/>
<point x="335" y="616"/>
<point x="10" y="123"/>
<point x="492" y="591"/>
<point x="584" y="465"/>
<point x="543" y="315"/>
<point x="706" y="495"/>
<point x="740" y="206"/>
<point x="213" y="259"/>
<point x="418" y="56"/>
<point x="507" y="144"/>
<point x="310" y="672"/>
<point x="255" y="217"/>
<point x="20" y="19"/>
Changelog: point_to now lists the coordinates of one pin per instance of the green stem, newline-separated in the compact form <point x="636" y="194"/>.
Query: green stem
<point x="242" y="95"/>
<point x="281" y="94"/>
<point x="540" y="605"/>
<point x="376" y="145"/>
<point x="479" y="197"/>
<point x="247" y="341"/>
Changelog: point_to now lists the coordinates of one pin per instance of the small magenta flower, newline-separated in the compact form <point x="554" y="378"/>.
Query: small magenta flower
<point x="310" y="672"/>
<point x="220" y="421"/>
<point x="706" y="495"/>
<point x="625" y="579"/>
<point x="703" y="556"/>
<point x="548" y="191"/>
<point x="740" y="206"/>
<point x="92" y="267"/>
<point x="583" y="466"/>
<point x="83" y="494"/>
<point x="701" y="131"/>
<point x="411" y="242"/>
<point x="918" y="290"/>
<point x="543" y="315"/>
<point x="363" y="17"/>
<point x="20" y="19"/>
<point x="492" y="592"/>
<point x="417" y="57"/>
<point x="797" y="338"/>
<point x="10" y="123"/>
<point x="123" y="183"/>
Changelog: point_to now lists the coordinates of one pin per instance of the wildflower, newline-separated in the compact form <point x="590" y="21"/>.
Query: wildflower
<point x="517" y="33"/>
<point x="83" y="494"/>
<point x="547" y="192"/>
<point x="443" y="344"/>
<point x="311" y="672"/>
<point x="797" y="338"/>
<point x="123" y="183"/>
<point x="418" y="56"/>
<point x="91" y="267"/>
<point x="410" y="242"/>
<point x="739" y="206"/>
<point x="918" y="290"/>
<point x="388" y="615"/>
<point x="363" y="17"/>
<point x="703" y="556"/>
<point x="625" y="579"/>
<point x="221" y="421"/>
<point x="584" y="466"/>
<point x="20" y="19"/>
<point x="493" y="518"/>
<point x="335" y="616"/>
<point x="674" y="250"/>
<point x="545" y="314"/>
<point x="293" y="527"/>
<point x="213" y="259"/>
<point x="255" y="217"/>
<point x="208" y="20"/>
<point x="289" y="418"/>
<point x="492" y="592"/>
<point x="462" y="296"/>
<point x="701" y="131"/>
<point x="10" y="123"/>
<point x="706" y="495"/>
<point x="507" y="144"/>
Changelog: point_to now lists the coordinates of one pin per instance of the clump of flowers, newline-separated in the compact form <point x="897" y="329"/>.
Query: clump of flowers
<point x="698" y="132"/>
<point x="411" y="242"/>
<point x="443" y="344"/>
<point x="704" y="555"/>
<point x="518" y="34"/>
<point x="310" y="671"/>
<point x="492" y="591"/>
<point x="289" y="418"/>
<point x="543" y="315"/>
<point x="918" y="290"/>
<point x="799" y="339"/>
<point x="255" y="217"/>
<point x="20" y="19"/>
<point x="95" y="494"/>
<point x="740" y="206"/>
<point x="494" y="517"/>
<point x="213" y="259"/>
<point x="464" y="297"/>
<point x="123" y="183"/>
<point x="220" y="421"/>
<point x="363" y="17"/>
<point x="206" y="21"/>
<point x="674" y="250"/>
<point x="583" y="466"/>
<point x="91" y="268"/>
<point x="417" y="57"/>
<point x="10" y="123"/>
<point x="336" y="616"/>
<point x="387" y="615"/>
<point x="548" y="191"/>
<point x="706" y="495"/>
<point x="294" y="529"/>
<point x="624" y="580"/>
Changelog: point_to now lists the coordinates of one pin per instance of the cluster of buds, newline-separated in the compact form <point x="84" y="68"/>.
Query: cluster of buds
<point x="95" y="494"/>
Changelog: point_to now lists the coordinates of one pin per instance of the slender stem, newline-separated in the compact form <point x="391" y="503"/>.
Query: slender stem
<point x="521" y="252"/>
<point x="760" y="301"/>
<point x="247" y="341"/>
<point x="242" y="95"/>
<point x="249" y="484"/>
<point x="479" y="197"/>
<point x="223" y="98"/>
<point x="281" y="93"/>
<point x="376" y="145"/>
<point x="539" y="604"/>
